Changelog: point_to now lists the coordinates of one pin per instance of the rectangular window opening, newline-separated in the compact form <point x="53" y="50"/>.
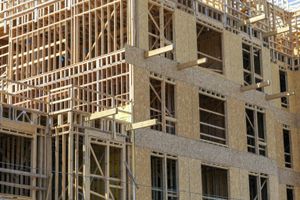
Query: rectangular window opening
<point x="258" y="187"/>
<point x="289" y="192"/>
<point x="287" y="148"/>
<point x="212" y="119"/>
<point x="214" y="183"/>
<point x="252" y="65"/>
<point x="162" y="105"/>
<point x="283" y="88"/>
<point x="256" y="133"/>
<point x="160" y="27"/>
<point x="164" y="178"/>
<point x="210" y="45"/>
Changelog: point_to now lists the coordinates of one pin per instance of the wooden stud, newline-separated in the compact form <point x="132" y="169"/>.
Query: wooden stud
<point x="158" y="51"/>
<point x="255" y="86"/>
<point x="51" y="45"/>
<point x="143" y="124"/>
<point x="279" y="95"/>
<point x="103" y="114"/>
<point x="191" y="64"/>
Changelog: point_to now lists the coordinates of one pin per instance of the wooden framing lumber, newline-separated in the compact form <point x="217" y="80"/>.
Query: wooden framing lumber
<point x="49" y="187"/>
<point x="277" y="31"/>
<point x="142" y="124"/>
<point x="278" y="95"/>
<point x="23" y="173"/>
<point x="59" y="54"/>
<point x="158" y="51"/>
<point x="23" y="186"/>
<point x="255" y="86"/>
<point x="255" y="19"/>
<point x="191" y="64"/>
<point x="102" y="114"/>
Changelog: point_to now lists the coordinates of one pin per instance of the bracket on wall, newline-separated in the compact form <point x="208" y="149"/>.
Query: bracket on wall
<point x="191" y="64"/>
<point x="255" y="86"/>
<point x="158" y="51"/>
<point x="279" y="95"/>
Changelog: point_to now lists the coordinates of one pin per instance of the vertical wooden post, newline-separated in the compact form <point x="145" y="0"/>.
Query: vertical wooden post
<point x="56" y="166"/>
<point x="86" y="168"/>
<point x="163" y="105"/>
<point x="106" y="174"/>
<point x="123" y="172"/>
<point x="70" y="163"/>
<point x="63" y="167"/>
<point x="34" y="164"/>
<point x="71" y="147"/>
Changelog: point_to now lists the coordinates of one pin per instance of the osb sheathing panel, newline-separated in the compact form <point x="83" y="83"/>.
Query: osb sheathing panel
<point x="183" y="195"/>
<point x="238" y="183"/>
<point x="187" y="110"/>
<point x="195" y="196"/>
<point x="275" y="84"/>
<point x="183" y="172"/>
<point x="142" y="23"/>
<point x="266" y="67"/>
<point x="271" y="134"/>
<point x="185" y="40"/>
<point x="273" y="187"/>
<point x="17" y="126"/>
<point x="279" y="144"/>
<point x="235" y="123"/>
<point x="233" y="60"/>
<point x="288" y="177"/>
<point x="294" y="85"/>
<point x="195" y="176"/>
<point x="143" y="173"/>
<point x="141" y="94"/>
<point x="297" y="193"/>
<point x="204" y="78"/>
<point x="282" y="192"/>
<point x="295" y="139"/>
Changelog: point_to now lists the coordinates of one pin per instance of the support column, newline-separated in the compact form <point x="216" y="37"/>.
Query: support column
<point x="70" y="165"/>
<point x="86" y="168"/>
<point x="70" y="157"/>
<point x="34" y="164"/>
<point x="107" y="149"/>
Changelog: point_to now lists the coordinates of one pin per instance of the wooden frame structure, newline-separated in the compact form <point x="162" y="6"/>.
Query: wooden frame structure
<point x="162" y="103"/>
<point x="63" y="61"/>
<point x="256" y="130"/>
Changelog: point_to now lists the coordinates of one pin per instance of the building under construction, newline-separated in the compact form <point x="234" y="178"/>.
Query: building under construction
<point x="149" y="99"/>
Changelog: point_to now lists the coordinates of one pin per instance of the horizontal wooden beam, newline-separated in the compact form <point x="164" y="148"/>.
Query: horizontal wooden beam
<point x="21" y="186"/>
<point x="191" y="64"/>
<point x="278" y="31"/>
<point x="158" y="51"/>
<point x="102" y="114"/>
<point x="23" y="173"/>
<point x="142" y="124"/>
<point x="279" y="95"/>
<point x="255" y="86"/>
<point x="254" y="19"/>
